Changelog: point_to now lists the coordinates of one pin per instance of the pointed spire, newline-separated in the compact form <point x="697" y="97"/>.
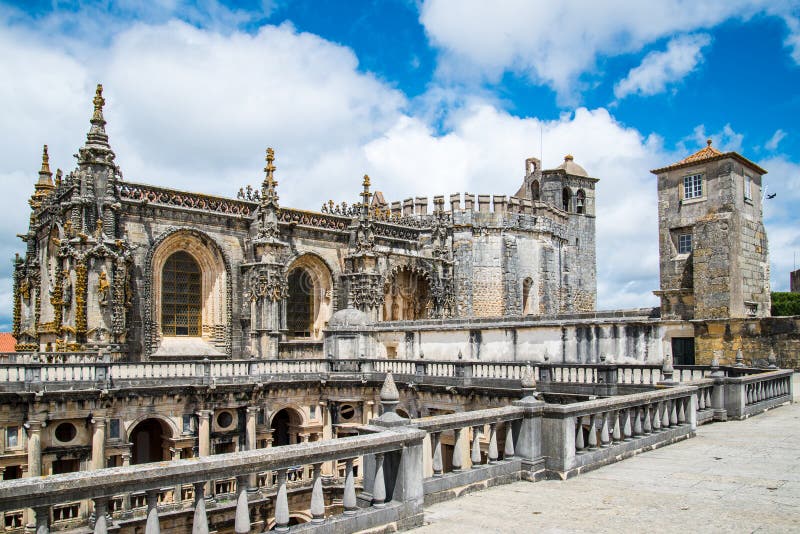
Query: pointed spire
<point x="269" y="194"/>
<point x="45" y="183"/>
<point x="366" y="194"/>
<point x="97" y="150"/>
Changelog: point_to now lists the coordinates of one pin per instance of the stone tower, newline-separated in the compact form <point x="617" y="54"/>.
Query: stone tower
<point x="712" y="243"/>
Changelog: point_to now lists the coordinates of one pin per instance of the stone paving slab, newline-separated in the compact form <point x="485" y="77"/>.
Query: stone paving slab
<point x="739" y="476"/>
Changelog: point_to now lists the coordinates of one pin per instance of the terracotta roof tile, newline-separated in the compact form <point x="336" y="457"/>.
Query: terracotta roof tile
<point x="708" y="153"/>
<point x="7" y="342"/>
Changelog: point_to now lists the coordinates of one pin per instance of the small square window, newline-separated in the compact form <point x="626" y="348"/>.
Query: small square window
<point x="684" y="243"/>
<point x="12" y="436"/>
<point x="188" y="419"/>
<point x="693" y="186"/>
<point x="113" y="429"/>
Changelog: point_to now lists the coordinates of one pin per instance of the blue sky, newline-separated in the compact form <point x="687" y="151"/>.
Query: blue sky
<point x="430" y="97"/>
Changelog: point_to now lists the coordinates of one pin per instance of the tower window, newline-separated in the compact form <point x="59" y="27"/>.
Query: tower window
<point x="693" y="186"/>
<point x="748" y="188"/>
<point x="566" y="199"/>
<point x="535" y="192"/>
<point x="580" y="201"/>
<point x="685" y="244"/>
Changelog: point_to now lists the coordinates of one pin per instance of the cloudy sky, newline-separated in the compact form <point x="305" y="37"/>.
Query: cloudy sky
<point x="429" y="97"/>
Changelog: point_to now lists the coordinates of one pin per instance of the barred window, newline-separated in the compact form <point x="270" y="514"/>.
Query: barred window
<point x="684" y="243"/>
<point x="181" y="294"/>
<point x="693" y="186"/>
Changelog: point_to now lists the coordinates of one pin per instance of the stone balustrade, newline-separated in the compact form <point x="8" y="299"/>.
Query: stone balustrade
<point x="405" y="463"/>
<point x="584" y="435"/>
<point x="35" y="376"/>
<point x="53" y="498"/>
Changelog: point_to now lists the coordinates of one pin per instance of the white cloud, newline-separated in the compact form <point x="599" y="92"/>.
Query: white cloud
<point x="557" y="42"/>
<point x="780" y="218"/>
<point x="776" y="138"/>
<point x="726" y="140"/>
<point x="659" y="69"/>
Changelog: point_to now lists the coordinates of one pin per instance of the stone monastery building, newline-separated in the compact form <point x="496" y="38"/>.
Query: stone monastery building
<point x="151" y="272"/>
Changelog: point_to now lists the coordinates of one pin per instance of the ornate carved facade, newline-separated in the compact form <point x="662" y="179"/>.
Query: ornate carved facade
<point x="269" y="277"/>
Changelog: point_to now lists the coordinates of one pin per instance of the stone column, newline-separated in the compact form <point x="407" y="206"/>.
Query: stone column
<point x="34" y="431"/>
<point x="328" y="468"/>
<point x="98" y="443"/>
<point x="126" y="497"/>
<point x="204" y="443"/>
<point x="177" y="496"/>
<point x="250" y="439"/>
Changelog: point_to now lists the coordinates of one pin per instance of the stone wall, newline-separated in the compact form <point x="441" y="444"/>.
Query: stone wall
<point x="755" y="337"/>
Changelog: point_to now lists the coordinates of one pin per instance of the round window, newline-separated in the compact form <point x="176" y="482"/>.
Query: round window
<point x="66" y="432"/>
<point x="346" y="412"/>
<point x="224" y="419"/>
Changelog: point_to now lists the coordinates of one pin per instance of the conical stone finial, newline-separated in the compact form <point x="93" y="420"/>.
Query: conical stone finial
<point x="739" y="359"/>
<point x="772" y="360"/>
<point x="390" y="398"/>
<point x="389" y="392"/>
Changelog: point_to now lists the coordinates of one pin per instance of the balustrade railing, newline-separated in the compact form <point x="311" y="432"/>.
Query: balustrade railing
<point x="53" y="498"/>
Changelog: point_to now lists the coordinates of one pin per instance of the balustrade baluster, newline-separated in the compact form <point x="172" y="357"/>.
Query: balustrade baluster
<point x="627" y="427"/>
<point x="317" y="498"/>
<point x="379" y="487"/>
<point x="200" y="521"/>
<point x="282" y="503"/>
<point x="100" y="513"/>
<point x="592" y="432"/>
<point x="673" y="412"/>
<point x="604" y="438"/>
<point x="476" y="447"/>
<point x="508" y="449"/>
<point x="152" y="526"/>
<point x="458" y="447"/>
<point x="492" y="443"/>
<point x="682" y="411"/>
<point x="579" y="443"/>
<point x="436" y="442"/>
<point x="616" y="434"/>
<point x="701" y="400"/>
<point x="241" y="523"/>
<point x="656" y="420"/>
<point x="349" y="498"/>
<point x="646" y="426"/>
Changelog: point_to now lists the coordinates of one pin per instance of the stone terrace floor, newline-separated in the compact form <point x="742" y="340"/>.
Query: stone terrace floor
<point x="739" y="476"/>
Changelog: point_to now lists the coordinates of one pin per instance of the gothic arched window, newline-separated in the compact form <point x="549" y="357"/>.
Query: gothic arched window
<point x="181" y="294"/>
<point x="300" y="305"/>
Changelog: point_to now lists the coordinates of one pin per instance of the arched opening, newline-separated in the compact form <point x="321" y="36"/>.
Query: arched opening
<point x="536" y="193"/>
<point x="308" y="306"/>
<point x="526" y="296"/>
<point x="580" y="201"/>
<point x="285" y="425"/>
<point x="148" y="438"/>
<point x="566" y="199"/>
<point x="300" y="304"/>
<point x="406" y="296"/>
<point x="181" y="290"/>
<point x="183" y="321"/>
